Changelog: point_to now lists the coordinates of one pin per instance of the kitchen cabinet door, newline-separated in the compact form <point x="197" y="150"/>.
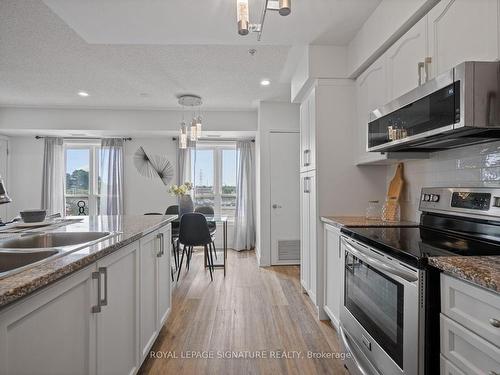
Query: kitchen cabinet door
<point x="463" y="30"/>
<point x="304" y="233"/>
<point x="304" y="134"/>
<point x="118" y="321"/>
<point x="149" y="248"/>
<point x="164" y="276"/>
<point x="333" y="272"/>
<point x="402" y="60"/>
<point x="312" y="131"/>
<point x="313" y="254"/>
<point x="53" y="331"/>
<point x="371" y="93"/>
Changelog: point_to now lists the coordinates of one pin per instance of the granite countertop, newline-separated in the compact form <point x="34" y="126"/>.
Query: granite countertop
<point x="127" y="228"/>
<point x="361" y="221"/>
<point x="483" y="271"/>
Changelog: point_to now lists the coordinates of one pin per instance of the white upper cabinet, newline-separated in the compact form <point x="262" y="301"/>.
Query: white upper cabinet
<point x="371" y="93"/>
<point x="463" y="30"/>
<point x="308" y="133"/>
<point x="403" y="58"/>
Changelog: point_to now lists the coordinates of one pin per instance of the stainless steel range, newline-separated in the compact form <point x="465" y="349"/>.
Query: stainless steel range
<point x="390" y="300"/>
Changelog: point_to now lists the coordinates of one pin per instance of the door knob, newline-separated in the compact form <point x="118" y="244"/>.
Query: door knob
<point x="275" y="206"/>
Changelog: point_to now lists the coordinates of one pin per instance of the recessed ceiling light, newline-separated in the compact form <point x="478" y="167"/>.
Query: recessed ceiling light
<point x="265" y="82"/>
<point x="83" y="94"/>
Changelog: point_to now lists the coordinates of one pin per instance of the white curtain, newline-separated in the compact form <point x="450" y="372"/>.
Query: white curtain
<point x="184" y="165"/>
<point x="244" y="221"/>
<point x="53" y="176"/>
<point x="111" y="171"/>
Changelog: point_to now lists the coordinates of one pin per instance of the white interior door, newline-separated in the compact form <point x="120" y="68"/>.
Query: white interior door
<point x="285" y="198"/>
<point x="3" y="173"/>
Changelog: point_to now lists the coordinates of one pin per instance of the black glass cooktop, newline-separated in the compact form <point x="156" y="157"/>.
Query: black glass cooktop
<point x="415" y="245"/>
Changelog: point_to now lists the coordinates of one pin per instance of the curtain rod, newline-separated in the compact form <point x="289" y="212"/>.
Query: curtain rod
<point x="216" y="140"/>
<point x="89" y="138"/>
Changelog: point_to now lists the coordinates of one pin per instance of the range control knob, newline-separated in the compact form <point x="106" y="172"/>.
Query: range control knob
<point x="435" y="198"/>
<point x="427" y="197"/>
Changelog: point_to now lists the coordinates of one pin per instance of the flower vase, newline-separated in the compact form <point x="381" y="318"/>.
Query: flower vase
<point x="186" y="205"/>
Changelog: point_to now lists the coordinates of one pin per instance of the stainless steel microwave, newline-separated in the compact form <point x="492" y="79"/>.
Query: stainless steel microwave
<point x="457" y="108"/>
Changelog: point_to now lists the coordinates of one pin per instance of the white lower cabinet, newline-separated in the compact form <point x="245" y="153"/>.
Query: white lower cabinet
<point x="52" y="332"/>
<point x="164" y="276"/>
<point x="117" y="321"/>
<point x="308" y="244"/>
<point x="470" y="333"/>
<point x="148" y="292"/>
<point x="100" y="320"/>
<point x="333" y="272"/>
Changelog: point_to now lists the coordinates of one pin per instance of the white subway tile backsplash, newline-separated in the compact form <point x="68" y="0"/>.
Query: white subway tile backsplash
<point x="473" y="166"/>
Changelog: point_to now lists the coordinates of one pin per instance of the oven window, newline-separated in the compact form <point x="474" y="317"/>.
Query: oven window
<point x="376" y="301"/>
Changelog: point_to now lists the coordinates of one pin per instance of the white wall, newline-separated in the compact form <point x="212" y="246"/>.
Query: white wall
<point x="120" y="122"/>
<point x="24" y="180"/>
<point x="317" y="61"/>
<point x="147" y="194"/>
<point x="474" y="166"/>
<point x="272" y="117"/>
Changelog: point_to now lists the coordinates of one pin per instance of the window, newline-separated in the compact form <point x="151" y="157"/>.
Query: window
<point x="82" y="182"/>
<point x="213" y="173"/>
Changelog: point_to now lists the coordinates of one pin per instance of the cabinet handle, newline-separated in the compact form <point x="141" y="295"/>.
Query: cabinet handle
<point x="420" y="66"/>
<point x="160" y="247"/>
<point x="97" y="308"/>
<point x="104" y="271"/>
<point x="427" y="63"/>
<point x="307" y="158"/>
<point x="306" y="185"/>
<point x="494" y="322"/>
<point x="162" y="244"/>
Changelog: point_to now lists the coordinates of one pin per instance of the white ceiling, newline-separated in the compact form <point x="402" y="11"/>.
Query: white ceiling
<point x="118" y="50"/>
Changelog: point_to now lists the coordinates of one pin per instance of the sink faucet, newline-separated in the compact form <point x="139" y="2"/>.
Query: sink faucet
<point x="4" y="197"/>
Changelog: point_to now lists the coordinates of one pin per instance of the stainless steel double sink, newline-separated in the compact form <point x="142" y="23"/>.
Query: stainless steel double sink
<point x="30" y="249"/>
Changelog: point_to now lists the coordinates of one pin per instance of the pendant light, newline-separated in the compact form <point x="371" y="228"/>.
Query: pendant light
<point x="194" y="131"/>
<point x="198" y="126"/>
<point x="183" y="136"/>
<point x="189" y="140"/>
<point x="242" y="16"/>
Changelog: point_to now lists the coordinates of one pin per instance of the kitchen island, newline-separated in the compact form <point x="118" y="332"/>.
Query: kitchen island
<point x="95" y="308"/>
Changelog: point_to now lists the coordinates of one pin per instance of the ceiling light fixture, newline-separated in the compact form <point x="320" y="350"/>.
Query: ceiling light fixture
<point x="265" y="82"/>
<point x="283" y="7"/>
<point x="195" y="128"/>
<point x="83" y="94"/>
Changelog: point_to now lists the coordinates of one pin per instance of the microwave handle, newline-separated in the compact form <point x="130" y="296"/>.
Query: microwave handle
<point x="380" y="265"/>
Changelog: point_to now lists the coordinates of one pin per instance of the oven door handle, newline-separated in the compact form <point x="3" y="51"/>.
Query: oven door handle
<point x="345" y="340"/>
<point x="408" y="276"/>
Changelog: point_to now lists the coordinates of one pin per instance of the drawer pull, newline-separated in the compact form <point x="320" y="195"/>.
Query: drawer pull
<point x="494" y="322"/>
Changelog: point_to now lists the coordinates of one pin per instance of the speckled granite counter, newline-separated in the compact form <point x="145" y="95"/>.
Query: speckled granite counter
<point x="483" y="271"/>
<point x="361" y="221"/>
<point x="128" y="229"/>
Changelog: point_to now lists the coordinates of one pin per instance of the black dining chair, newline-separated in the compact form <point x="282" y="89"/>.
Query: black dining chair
<point x="193" y="231"/>
<point x="212" y="226"/>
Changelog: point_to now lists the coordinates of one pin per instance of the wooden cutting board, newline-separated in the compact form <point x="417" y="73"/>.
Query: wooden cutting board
<point x="391" y="210"/>
<point x="396" y="185"/>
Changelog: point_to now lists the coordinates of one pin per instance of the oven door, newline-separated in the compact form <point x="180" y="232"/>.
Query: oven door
<point x="380" y="309"/>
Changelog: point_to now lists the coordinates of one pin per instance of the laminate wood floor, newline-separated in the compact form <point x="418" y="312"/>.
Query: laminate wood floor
<point x="253" y="311"/>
